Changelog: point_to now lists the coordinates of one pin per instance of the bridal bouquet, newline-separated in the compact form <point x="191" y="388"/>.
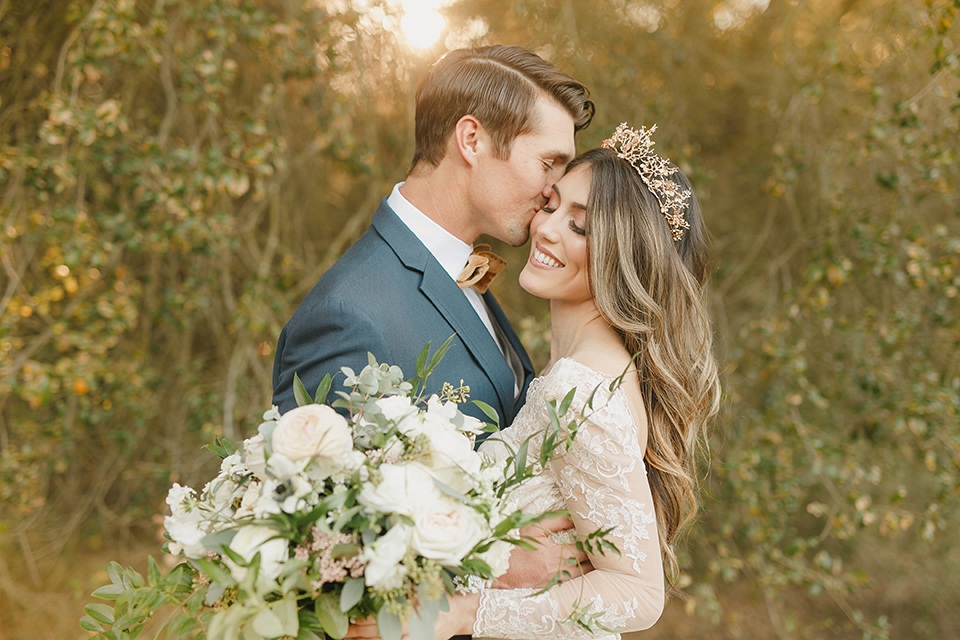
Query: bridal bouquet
<point x="320" y="518"/>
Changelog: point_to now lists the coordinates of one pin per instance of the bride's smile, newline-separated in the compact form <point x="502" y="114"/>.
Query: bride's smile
<point x="542" y="258"/>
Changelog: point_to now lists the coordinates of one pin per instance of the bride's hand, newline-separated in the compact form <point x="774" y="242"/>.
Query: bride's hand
<point x="457" y="621"/>
<point x="533" y="569"/>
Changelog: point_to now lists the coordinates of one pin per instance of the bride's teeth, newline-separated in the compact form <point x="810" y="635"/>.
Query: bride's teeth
<point x="543" y="258"/>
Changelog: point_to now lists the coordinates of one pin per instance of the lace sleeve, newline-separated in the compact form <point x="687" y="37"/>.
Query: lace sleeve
<point x="604" y="483"/>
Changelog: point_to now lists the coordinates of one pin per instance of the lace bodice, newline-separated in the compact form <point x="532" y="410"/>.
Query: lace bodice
<point x="602" y="481"/>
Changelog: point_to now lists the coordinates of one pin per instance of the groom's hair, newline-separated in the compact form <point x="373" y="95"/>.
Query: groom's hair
<point x="498" y="85"/>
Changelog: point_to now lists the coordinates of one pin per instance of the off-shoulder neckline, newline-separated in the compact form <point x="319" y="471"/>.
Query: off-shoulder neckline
<point x="619" y="392"/>
<point x="556" y="365"/>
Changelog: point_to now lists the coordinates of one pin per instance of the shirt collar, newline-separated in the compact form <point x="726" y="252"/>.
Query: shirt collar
<point x="450" y="251"/>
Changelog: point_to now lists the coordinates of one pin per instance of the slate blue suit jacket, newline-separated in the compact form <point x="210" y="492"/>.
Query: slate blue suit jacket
<point x="388" y="295"/>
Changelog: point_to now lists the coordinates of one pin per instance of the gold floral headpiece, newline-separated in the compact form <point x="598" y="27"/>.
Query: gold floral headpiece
<point x="636" y="147"/>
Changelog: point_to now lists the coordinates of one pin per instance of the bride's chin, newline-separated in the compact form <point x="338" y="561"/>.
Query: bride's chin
<point x="528" y="284"/>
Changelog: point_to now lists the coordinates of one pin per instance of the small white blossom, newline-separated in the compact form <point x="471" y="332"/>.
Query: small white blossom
<point x="384" y="569"/>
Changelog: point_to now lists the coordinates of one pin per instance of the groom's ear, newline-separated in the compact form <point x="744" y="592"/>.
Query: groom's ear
<point x="468" y="136"/>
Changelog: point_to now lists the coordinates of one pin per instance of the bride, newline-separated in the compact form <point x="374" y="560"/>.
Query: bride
<point x="620" y="252"/>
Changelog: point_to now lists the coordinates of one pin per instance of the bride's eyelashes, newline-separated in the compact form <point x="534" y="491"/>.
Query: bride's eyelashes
<point x="580" y="231"/>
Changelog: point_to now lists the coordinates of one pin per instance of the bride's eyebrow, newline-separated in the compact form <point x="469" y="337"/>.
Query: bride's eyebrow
<point x="573" y="205"/>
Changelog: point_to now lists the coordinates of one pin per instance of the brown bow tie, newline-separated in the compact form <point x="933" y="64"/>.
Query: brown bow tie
<point x="482" y="267"/>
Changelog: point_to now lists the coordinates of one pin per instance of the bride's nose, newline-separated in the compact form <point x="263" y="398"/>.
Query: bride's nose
<point x="549" y="226"/>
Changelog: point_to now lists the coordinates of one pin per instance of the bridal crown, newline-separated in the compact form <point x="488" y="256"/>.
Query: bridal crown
<point x="636" y="147"/>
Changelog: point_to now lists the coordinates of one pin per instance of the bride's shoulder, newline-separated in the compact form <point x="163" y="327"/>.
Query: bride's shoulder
<point x="609" y="363"/>
<point x="589" y="375"/>
<point x="606" y="371"/>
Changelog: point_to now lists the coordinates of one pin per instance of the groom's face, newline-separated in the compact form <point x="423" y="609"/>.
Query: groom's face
<point x="513" y="189"/>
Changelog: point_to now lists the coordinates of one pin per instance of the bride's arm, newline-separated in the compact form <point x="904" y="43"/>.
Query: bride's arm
<point x="603" y="479"/>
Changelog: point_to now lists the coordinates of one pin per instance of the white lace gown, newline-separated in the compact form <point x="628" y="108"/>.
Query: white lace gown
<point x="602" y="481"/>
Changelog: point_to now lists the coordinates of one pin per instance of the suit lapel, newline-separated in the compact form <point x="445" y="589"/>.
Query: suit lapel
<point x="449" y="300"/>
<point x="447" y="297"/>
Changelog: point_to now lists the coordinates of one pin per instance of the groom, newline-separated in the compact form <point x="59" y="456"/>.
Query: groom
<point x="494" y="130"/>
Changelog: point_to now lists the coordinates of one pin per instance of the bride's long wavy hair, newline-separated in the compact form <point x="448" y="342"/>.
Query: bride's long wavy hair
<point x="650" y="289"/>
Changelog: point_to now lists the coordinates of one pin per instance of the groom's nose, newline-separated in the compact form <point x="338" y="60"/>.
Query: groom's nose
<point x="547" y="190"/>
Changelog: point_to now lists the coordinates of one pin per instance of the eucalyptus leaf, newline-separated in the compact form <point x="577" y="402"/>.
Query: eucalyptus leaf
<point x="129" y="621"/>
<point x="423" y="620"/>
<point x="102" y="613"/>
<point x="438" y="356"/>
<point x="346" y="516"/>
<point x="108" y="592"/>
<point x="320" y="397"/>
<point x="268" y="624"/>
<point x="266" y="430"/>
<point x="89" y="624"/>
<point x="422" y="360"/>
<point x="214" y="591"/>
<point x="248" y="633"/>
<point x="214" y="571"/>
<point x="344" y="550"/>
<point x="286" y="611"/>
<point x="217" y="540"/>
<point x="567" y="399"/>
<point x="351" y="594"/>
<point x="520" y="462"/>
<point x="153" y="571"/>
<point x="300" y="392"/>
<point x="453" y="493"/>
<point x="335" y="622"/>
<point x="389" y="625"/>
<point x="115" y="571"/>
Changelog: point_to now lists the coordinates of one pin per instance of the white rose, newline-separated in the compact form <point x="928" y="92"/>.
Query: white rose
<point x="313" y="432"/>
<point x="253" y="539"/>
<point x="498" y="557"/>
<point x="384" y="569"/>
<point x="403" y="489"/>
<point x="453" y="459"/>
<point x="254" y="456"/>
<point x="446" y="531"/>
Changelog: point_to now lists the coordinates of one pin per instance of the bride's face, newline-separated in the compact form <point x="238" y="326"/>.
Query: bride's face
<point x="557" y="267"/>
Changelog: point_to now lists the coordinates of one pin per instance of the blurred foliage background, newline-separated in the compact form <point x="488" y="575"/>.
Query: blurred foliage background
<point x="175" y="176"/>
